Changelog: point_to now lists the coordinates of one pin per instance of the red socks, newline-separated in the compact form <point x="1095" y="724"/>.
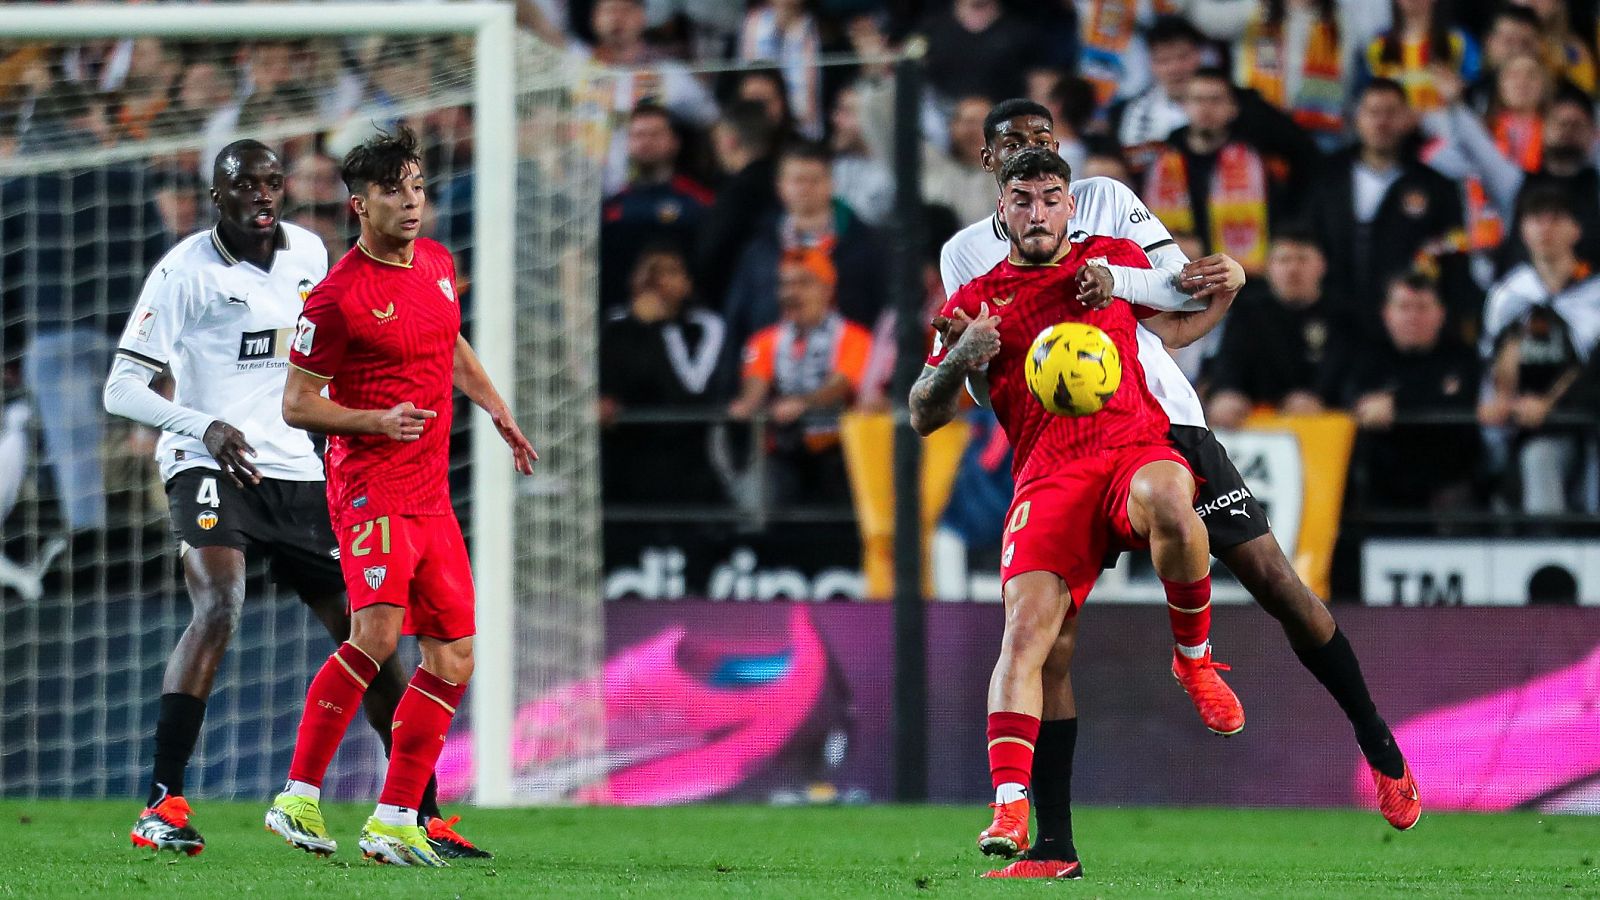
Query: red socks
<point x="1189" y="609"/>
<point x="420" y="723"/>
<point x="331" y="703"/>
<point x="1011" y="739"/>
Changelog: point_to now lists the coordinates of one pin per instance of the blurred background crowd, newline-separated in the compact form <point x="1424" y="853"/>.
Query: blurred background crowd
<point x="1411" y="185"/>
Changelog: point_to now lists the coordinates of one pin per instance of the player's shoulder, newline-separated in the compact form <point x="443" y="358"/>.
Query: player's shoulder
<point x="302" y="241"/>
<point x="430" y="249"/>
<point x="984" y="231"/>
<point x="1117" y="251"/>
<point x="189" y="255"/>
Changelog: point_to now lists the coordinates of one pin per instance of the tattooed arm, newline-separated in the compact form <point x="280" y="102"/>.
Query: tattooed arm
<point x="936" y="397"/>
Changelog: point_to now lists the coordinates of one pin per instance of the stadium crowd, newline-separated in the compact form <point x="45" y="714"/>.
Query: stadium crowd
<point x="1412" y="186"/>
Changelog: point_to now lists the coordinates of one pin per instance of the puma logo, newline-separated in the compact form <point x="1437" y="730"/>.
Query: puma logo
<point x="385" y="315"/>
<point x="1236" y="511"/>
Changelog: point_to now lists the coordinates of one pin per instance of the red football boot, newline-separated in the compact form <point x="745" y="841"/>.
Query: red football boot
<point x="165" y="826"/>
<point x="1040" y="868"/>
<point x="1008" y="834"/>
<point x="1213" y="699"/>
<point x="1398" y="799"/>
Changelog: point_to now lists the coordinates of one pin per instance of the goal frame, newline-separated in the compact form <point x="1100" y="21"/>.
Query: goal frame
<point x="493" y="27"/>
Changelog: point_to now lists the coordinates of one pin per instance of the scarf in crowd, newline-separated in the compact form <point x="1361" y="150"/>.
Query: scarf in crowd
<point x="1484" y="228"/>
<point x="801" y="365"/>
<point x="1413" y="71"/>
<point x="1238" y="202"/>
<point x="1107" y="30"/>
<point x="1520" y="136"/>
<point x="1318" y="101"/>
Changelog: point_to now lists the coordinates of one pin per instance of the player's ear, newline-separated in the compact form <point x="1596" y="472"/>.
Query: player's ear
<point x="986" y="158"/>
<point x="358" y="205"/>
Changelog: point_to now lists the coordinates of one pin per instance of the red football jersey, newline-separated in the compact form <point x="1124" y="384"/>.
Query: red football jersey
<point x="1029" y="299"/>
<point x="385" y="333"/>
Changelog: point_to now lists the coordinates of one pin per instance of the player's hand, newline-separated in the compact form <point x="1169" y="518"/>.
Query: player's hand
<point x="1094" y="286"/>
<point x="404" y="422"/>
<point x="950" y="330"/>
<point x="227" y="446"/>
<point x="1448" y="83"/>
<point x="523" y="455"/>
<point x="980" y="338"/>
<point x="1211" y="276"/>
<point x="788" y="410"/>
<point x="1530" y="410"/>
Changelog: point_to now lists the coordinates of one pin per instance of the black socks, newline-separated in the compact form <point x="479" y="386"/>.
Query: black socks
<point x="1052" y="789"/>
<point x="177" y="731"/>
<point x="1334" y="664"/>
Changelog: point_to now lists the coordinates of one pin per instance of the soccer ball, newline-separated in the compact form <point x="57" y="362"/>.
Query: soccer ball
<point x="1073" y="368"/>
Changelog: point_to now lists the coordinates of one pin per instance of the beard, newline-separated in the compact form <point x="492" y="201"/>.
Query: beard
<point x="1039" y="247"/>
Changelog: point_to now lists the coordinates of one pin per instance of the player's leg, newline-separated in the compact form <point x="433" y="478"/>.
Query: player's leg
<point x="1160" y="511"/>
<point x="441" y="615"/>
<point x="1036" y="605"/>
<point x="1322" y="648"/>
<point x="1241" y="537"/>
<point x="1053" y="854"/>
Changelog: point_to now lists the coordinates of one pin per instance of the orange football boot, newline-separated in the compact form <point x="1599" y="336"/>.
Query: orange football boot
<point x="165" y="826"/>
<point x="1040" y="868"/>
<point x="1008" y="834"/>
<point x="1398" y="799"/>
<point x="1213" y="699"/>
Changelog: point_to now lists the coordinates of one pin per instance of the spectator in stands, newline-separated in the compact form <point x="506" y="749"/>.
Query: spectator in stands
<point x="804" y="371"/>
<point x="1570" y="54"/>
<point x="977" y="48"/>
<point x="660" y="351"/>
<point x="783" y="32"/>
<point x="1304" y="34"/>
<point x="658" y="204"/>
<point x="1072" y="109"/>
<point x="1377" y="208"/>
<point x="1567" y="163"/>
<point x="1514" y="31"/>
<point x="315" y="198"/>
<point x="1116" y="46"/>
<point x="1143" y="124"/>
<point x="1415" y="367"/>
<point x="808" y="219"/>
<point x="1213" y="180"/>
<point x="1422" y="40"/>
<point x="952" y="174"/>
<point x="1523" y="90"/>
<point x="746" y="144"/>
<point x="267" y="66"/>
<point x="644" y="75"/>
<point x="877" y="387"/>
<point x="1285" y="346"/>
<point x="860" y="179"/>
<point x="1104" y="158"/>
<point x="1540" y="326"/>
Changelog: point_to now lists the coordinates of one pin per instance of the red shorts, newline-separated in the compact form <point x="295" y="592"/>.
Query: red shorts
<point x="418" y="563"/>
<point x="1067" y="522"/>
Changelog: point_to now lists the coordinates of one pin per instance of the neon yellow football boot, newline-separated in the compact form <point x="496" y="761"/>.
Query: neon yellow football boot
<point x="401" y="845"/>
<point x="298" y="820"/>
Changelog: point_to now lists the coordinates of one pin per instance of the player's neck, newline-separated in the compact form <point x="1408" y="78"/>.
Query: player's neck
<point x="387" y="250"/>
<point x="257" y="250"/>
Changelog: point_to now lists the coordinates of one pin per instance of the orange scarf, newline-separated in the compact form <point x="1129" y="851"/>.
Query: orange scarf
<point x="1237" y="203"/>
<point x="1319" y="98"/>
<point x="1106" y="32"/>
<point x="1413" y="71"/>
<point x="1520" y="137"/>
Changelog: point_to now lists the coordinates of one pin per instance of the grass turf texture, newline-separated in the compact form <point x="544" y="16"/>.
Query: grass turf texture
<point x="56" y="848"/>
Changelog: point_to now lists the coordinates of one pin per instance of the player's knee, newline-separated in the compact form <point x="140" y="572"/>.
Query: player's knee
<point x="1031" y="627"/>
<point x="217" y="608"/>
<point x="376" y="643"/>
<point x="452" y="667"/>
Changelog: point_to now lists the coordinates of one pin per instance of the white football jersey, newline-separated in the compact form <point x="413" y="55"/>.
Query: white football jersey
<point x="1105" y="207"/>
<point x="224" y="327"/>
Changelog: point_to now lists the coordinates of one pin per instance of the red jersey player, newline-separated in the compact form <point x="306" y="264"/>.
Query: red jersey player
<point x="382" y="334"/>
<point x="1084" y="485"/>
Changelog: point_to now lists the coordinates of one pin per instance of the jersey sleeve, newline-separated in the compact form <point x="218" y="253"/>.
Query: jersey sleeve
<point x="320" y="336"/>
<point x="166" y="305"/>
<point x="1133" y="220"/>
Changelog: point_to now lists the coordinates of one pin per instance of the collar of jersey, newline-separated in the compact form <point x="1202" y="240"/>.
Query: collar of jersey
<point x="228" y="259"/>
<point x="405" y="265"/>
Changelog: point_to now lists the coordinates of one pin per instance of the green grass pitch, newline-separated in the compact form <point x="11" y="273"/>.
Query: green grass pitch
<point x="60" y="849"/>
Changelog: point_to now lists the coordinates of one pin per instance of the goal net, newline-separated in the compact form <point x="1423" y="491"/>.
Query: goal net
<point x="109" y="120"/>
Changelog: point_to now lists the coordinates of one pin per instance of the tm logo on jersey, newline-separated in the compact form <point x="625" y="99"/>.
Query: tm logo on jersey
<point x="260" y="345"/>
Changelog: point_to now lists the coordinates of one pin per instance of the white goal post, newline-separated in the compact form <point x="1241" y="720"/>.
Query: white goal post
<point x="495" y="120"/>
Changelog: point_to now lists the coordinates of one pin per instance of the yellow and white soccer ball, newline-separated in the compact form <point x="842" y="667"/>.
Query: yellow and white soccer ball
<point x="1073" y="368"/>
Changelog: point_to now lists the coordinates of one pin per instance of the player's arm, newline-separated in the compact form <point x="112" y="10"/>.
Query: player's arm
<point x="472" y="380"/>
<point x="147" y="344"/>
<point x="936" y="396"/>
<point x="305" y="408"/>
<point x="1180" y="329"/>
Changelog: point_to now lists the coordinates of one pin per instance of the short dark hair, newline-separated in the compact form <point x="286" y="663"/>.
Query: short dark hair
<point x="1075" y="95"/>
<point x="1569" y="94"/>
<point x="1378" y="85"/>
<point x="1545" y="200"/>
<point x="1212" y="73"/>
<point x="748" y="121"/>
<point x="1519" y="13"/>
<point x="1172" y="30"/>
<point x="1413" y="280"/>
<point x="237" y="148"/>
<point x="810" y="151"/>
<point x="646" y="109"/>
<point x="1035" y="162"/>
<point x="1295" y="233"/>
<point x="380" y="159"/>
<point x="1006" y="110"/>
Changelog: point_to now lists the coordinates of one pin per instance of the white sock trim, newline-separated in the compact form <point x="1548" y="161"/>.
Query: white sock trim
<point x="1010" y="792"/>
<point x="1195" y="652"/>
<point x="301" y="789"/>
<point x="390" y="814"/>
